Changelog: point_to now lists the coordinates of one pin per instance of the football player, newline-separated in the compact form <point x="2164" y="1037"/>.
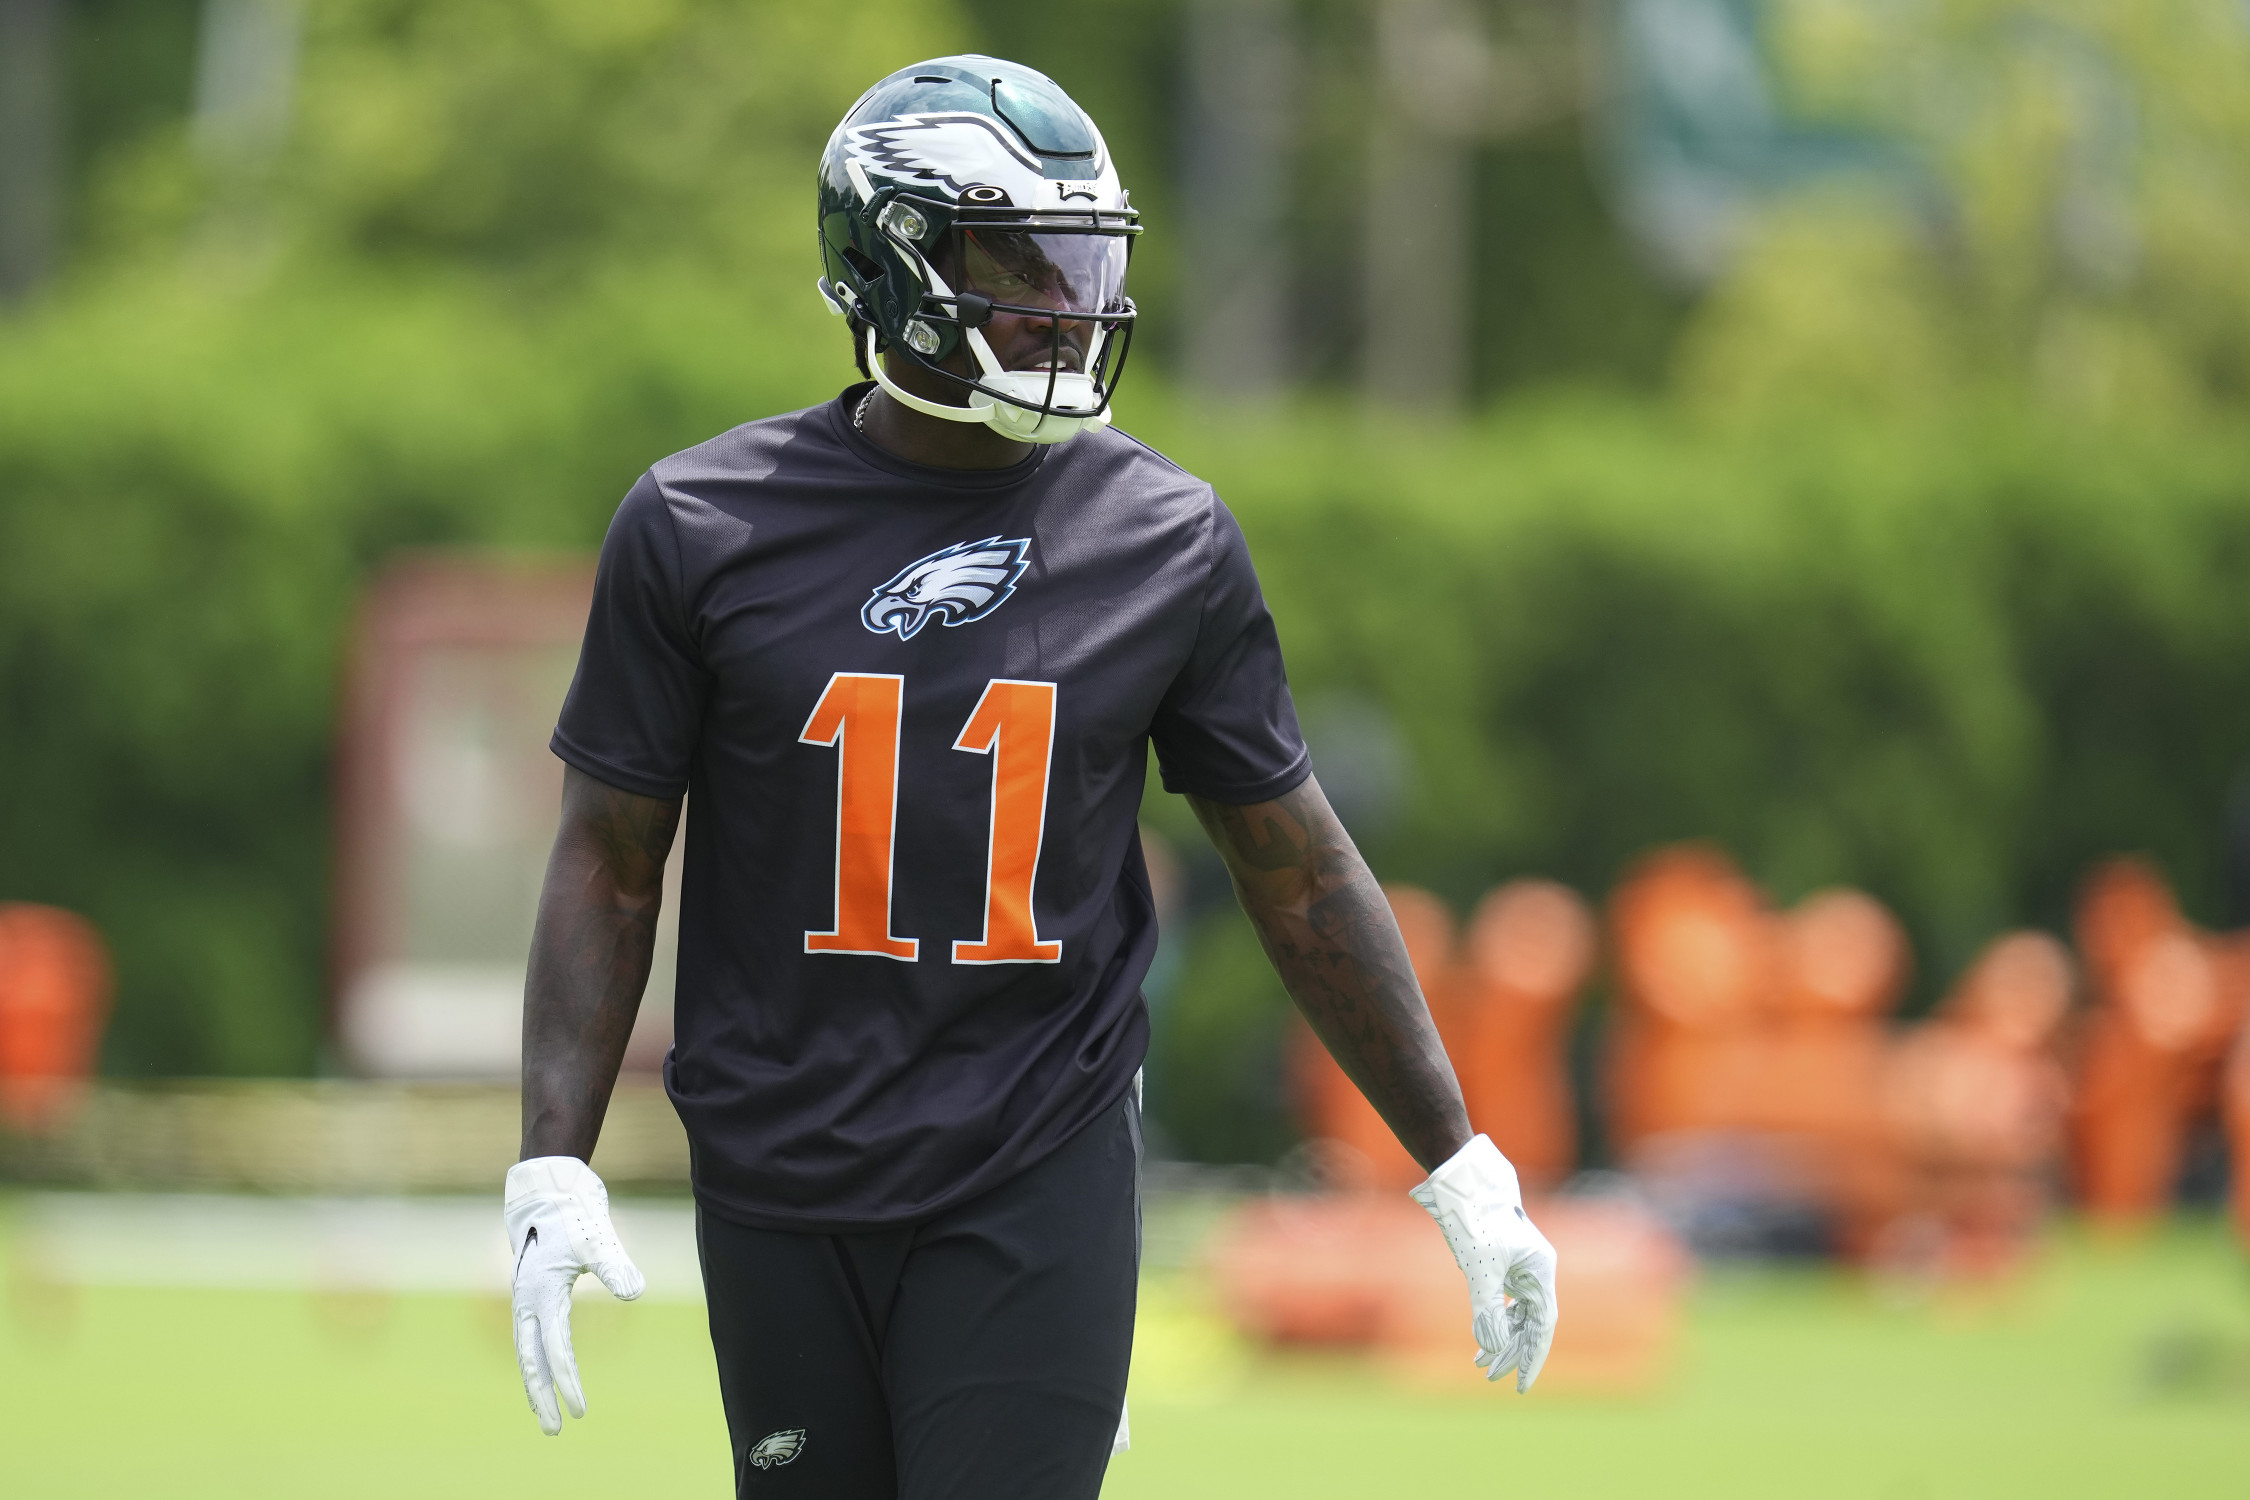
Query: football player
<point x="906" y="653"/>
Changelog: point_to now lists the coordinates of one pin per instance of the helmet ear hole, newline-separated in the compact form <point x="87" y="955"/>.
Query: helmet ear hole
<point x="924" y="339"/>
<point x="869" y="268"/>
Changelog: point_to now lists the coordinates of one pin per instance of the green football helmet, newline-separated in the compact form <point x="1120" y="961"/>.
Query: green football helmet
<point x="966" y="202"/>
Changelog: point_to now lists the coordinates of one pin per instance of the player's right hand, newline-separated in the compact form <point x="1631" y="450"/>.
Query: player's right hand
<point x="1511" y="1268"/>
<point x="558" y="1230"/>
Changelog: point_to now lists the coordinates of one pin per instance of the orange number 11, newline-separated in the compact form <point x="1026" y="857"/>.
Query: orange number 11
<point x="1014" y="723"/>
<point x="859" y="716"/>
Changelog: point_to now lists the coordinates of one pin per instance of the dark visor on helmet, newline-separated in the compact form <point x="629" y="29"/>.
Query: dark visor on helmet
<point x="1040" y="297"/>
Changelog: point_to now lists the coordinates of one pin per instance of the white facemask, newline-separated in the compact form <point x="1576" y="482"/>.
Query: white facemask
<point x="1074" y="399"/>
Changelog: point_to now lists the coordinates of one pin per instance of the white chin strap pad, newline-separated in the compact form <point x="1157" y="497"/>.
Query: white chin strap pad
<point x="1074" y="398"/>
<point x="1072" y="390"/>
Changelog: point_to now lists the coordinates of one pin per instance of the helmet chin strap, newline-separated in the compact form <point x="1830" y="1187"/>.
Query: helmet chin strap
<point x="907" y="398"/>
<point x="1009" y="420"/>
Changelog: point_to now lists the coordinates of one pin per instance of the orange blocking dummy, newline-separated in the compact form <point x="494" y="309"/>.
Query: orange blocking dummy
<point x="1844" y="963"/>
<point x="1698" y="963"/>
<point x="2166" y="1002"/>
<point x="54" y="999"/>
<point x="1530" y="947"/>
<point x="2238" y="1125"/>
<point x="1330" y="1105"/>
<point x="1975" y="1099"/>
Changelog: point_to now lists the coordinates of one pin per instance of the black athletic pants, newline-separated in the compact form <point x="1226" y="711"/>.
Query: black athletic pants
<point x="980" y="1355"/>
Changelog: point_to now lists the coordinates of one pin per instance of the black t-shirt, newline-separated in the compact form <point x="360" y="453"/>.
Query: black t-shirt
<point x="911" y="708"/>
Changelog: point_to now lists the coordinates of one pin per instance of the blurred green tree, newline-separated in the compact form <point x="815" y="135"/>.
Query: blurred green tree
<point x="2075" y="239"/>
<point x="510" y="251"/>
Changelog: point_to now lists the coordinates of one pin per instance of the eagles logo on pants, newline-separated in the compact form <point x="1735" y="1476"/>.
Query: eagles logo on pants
<point x="776" y="1449"/>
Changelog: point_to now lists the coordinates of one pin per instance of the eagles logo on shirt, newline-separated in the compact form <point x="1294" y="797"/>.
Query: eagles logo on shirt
<point x="953" y="586"/>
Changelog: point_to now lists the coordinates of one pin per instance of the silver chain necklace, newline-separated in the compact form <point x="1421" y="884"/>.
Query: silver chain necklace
<point x="859" y="413"/>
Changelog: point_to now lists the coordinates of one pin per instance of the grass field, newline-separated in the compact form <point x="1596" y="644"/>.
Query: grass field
<point x="2108" y="1372"/>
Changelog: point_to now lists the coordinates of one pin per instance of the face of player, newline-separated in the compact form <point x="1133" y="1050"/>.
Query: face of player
<point x="1066" y="273"/>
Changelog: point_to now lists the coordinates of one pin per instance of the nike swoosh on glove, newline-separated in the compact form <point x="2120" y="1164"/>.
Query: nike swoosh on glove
<point x="1511" y="1268"/>
<point x="559" y="1230"/>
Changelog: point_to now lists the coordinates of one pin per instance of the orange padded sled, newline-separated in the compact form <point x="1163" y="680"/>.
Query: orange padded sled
<point x="1364" y="1270"/>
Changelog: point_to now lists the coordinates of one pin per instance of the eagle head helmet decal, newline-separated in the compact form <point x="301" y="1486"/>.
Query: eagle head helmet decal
<point x="953" y="151"/>
<point x="777" y="1448"/>
<point x="953" y="586"/>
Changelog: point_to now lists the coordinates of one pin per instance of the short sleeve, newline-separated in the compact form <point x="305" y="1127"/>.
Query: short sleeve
<point x="635" y="708"/>
<point x="1227" y="730"/>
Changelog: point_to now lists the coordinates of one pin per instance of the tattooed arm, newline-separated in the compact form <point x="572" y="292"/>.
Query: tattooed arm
<point x="1331" y="936"/>
<point x="589" y="959"/>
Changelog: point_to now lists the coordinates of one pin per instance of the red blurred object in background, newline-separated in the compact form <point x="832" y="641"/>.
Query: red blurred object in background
<point x="1976" y="1099"/>
<point x="447" y="799"/>
<point x="2167" y="999"/>
<point x="1329" y="1104"/>
<point x="1530" y="948"/>
<point x="54" y="1001"/>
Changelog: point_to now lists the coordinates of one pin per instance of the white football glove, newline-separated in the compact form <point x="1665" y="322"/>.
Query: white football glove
<point x="558" y="1230"/>
<point x="1511" y="1267"/>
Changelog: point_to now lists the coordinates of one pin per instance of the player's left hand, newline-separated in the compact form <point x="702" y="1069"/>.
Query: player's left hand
<point x="1511" y="1268"/>
<point x="559" y="1230"/>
